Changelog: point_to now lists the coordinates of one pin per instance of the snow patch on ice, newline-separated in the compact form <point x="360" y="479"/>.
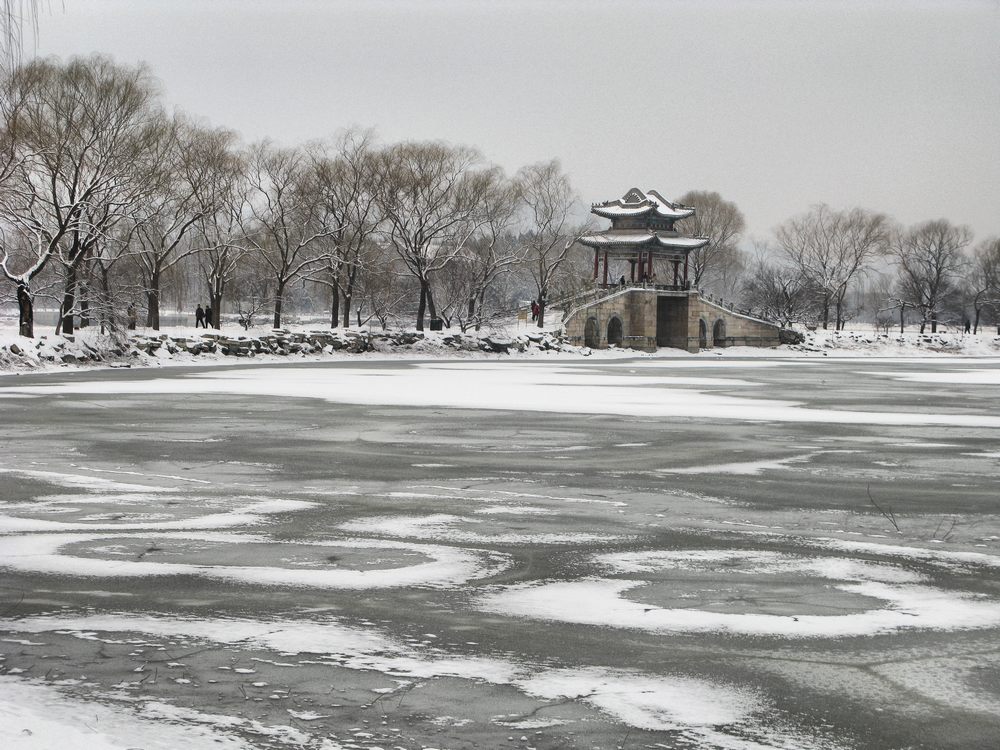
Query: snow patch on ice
<point x="741" y="468"/>
<point x="645" y="702"/>
<point x="37" y="716"/>
<point x="601" y="601"/>
<point x="448" y="566"/>
<point x="85" y="481"/>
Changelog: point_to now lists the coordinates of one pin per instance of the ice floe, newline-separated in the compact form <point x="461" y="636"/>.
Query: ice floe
<point x="906" y="602"/>
<point x="445" y="566"/>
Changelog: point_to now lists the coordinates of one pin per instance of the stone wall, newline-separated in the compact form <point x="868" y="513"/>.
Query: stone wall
<point x="653" y="318"/>
<point x="635" y="308"/>
<point x="737" y="330"/>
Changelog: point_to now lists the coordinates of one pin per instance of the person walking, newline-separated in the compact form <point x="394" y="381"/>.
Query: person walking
<point x="199" y="318"/>
<point x="534" y="311"/>
<point x="208" y="316"/>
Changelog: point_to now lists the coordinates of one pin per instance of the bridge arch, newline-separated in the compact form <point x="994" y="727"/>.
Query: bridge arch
<point x="592" y="334"/>
<point x="702" y="334"/>
<point x="616" y="332"/>
<point x="719" y="332"/>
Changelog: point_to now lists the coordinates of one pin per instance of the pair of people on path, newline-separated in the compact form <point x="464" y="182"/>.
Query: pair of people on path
<point x="203" y="317"/>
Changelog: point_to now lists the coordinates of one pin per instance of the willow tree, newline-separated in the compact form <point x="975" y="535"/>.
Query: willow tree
<point x="344" y="177"/>
<point x="549" y="204"/>
<point x="82" y="136"/>
<point x="428" y="195"/>
<point x="184" y="191"/>
<point x="718" y="264"/>
<point x="832" y="249"/>
<point x="930" y="261"/>
<point x="286" y="217"/>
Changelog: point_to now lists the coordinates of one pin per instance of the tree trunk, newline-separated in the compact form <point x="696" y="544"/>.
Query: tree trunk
<point x="69" y="300"/>
<point x="826" y="312"/>
<point x="107" y="312"/>
<point x="216" y="287"/>
<point x="153" y="309"/>
<point x="84" y="307"/>
<point x="153" y="302"/>
<point x="541" y="310"/>
<point x="470" y="318"/>
<point x="432" y="311"/>
<point x="422" y="306"/>
<point x="934" y="322"/>
<point x="479" y="310"/>
<point x="25" y="312"/>
<point x="348" y="301"/>
<point x="975" y="324"/>
<point x="334" y="306"/>
<point x="902" y="316"/>
<point x="216" y="321"/>
<point x="278" y="298"/>
<point x="352" y="275"/>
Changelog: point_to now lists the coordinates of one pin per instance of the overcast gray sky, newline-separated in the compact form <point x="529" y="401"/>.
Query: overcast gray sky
<point x="893" y="106"/>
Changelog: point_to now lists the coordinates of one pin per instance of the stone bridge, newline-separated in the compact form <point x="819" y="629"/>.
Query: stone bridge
<point x="649" y="318"/>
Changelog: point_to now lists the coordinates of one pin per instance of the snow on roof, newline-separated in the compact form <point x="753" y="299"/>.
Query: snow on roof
<point x="638" y="203"/>
<point x="643" y="237"/>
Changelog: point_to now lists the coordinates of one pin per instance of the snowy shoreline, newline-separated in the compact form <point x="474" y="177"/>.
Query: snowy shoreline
<point x="89" y="349"/>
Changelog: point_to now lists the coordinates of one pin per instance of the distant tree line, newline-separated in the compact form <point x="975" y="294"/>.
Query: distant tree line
<point x="113" y="210"/>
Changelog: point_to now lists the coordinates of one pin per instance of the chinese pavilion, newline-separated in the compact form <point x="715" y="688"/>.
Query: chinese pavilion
<point x="640" y="311"/>
<point x="642" y="233"/>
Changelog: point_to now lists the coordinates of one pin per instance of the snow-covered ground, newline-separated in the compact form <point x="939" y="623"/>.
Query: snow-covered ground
<point x="184" y="346"/>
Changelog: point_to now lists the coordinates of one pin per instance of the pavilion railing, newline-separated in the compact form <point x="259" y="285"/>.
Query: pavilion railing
<point x="570" y="302"/>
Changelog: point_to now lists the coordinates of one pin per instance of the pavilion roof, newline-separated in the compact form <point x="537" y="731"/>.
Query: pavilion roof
<point x="639" y="203"/>
<point x="639" y="237"/>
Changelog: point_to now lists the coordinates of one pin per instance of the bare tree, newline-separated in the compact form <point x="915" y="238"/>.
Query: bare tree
<point x="929" y="259"/>
<point x="84" y="134"/>
<point x="777" y="292"/>
<point x="983" y="279"/>
<point x="15" y="15"/>
<point x="428" y="195"/>
<point x="383" y="289"/>
<point x="345" y="183"/>
<point x="286" y="217"/>
<point x="185" y="192"/>
<point x="831" y="249"/>
<point x="220" y="232"/>
<point x="715" y="266"/>
<point x="550" y="204"/>
<point x="493" y="252"/>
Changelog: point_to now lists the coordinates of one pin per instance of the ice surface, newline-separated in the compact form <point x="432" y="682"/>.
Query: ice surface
<point x="515" y="386"/>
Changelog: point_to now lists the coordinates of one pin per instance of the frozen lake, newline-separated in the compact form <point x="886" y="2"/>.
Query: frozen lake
<point x="649" y="553"/>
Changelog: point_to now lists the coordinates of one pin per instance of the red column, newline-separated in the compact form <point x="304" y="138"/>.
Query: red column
<point x="649" y="271"/>
<point x="597" y="262"/>
<point x="605" y="268"/>
<point x="686" y="270"/>
<point x="637" y="265"/>
<point x="676" y="271"/>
